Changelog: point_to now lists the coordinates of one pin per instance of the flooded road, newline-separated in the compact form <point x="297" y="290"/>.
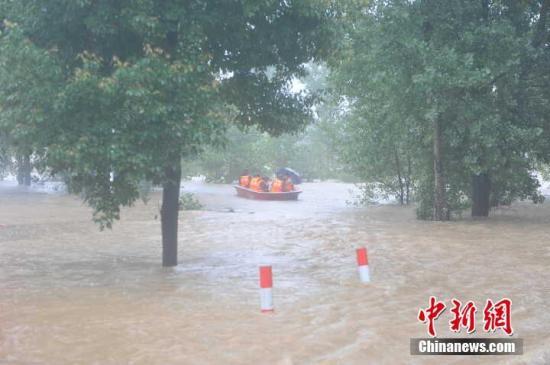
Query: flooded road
<point x="70" y="294"/>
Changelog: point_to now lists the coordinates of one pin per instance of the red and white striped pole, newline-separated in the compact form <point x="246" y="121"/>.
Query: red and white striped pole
<point x="363" y="265"/>
<point x="266" y="285"/>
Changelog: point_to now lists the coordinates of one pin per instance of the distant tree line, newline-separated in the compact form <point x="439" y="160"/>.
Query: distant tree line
<point x="308" y="152"/>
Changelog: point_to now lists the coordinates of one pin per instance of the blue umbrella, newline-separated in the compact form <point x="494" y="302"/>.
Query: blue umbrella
<point x="294" y="176"/>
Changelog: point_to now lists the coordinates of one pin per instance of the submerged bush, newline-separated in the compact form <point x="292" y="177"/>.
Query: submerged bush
<point x="188" y="201"/>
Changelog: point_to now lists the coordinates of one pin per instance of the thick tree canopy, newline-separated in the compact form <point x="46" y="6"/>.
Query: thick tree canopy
<point x="112" y="93"/>
<point x="456" y="89"/>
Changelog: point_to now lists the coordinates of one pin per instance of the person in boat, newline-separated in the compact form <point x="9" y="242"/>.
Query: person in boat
<point x="259" y="183"/>
<point x="287" y="184"/>
<point x="255" y="183"/>
<point x="264" y="184"/>
<point x="277" y="185"/>
<point x="244" y="179"/>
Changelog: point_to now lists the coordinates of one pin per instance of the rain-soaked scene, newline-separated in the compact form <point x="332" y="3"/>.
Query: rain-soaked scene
<point x="274" y="182"/>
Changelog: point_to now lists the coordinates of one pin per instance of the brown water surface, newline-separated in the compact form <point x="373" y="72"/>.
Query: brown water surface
<point x="70" y="294"/>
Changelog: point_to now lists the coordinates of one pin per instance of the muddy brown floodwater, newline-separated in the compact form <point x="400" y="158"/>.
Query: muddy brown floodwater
<point x="70" y="294"/>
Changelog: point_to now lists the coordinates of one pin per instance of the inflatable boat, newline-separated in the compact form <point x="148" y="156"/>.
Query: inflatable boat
<point x="261" y="195"/>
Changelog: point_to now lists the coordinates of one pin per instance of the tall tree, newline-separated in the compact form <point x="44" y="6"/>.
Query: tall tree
<point x="459" y="79"/>
<point x="138" y="84"/>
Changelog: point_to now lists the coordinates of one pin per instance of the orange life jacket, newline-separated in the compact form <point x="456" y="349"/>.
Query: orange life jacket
<point x="256" y="184"/>
<point x="277" y="186"/>
<point x="253" y="183"/>
<point x="244" y="181"/>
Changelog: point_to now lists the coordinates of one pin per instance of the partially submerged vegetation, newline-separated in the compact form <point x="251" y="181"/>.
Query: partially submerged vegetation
<point x="188" y="201"/>
<point x="446" y="100"/>
<point x="114" y="93"/>
<point x="442" y="103"/>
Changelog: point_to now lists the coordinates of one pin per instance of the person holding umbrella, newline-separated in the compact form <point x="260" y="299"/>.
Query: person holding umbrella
<point x="293" y="175"/>
<point x="287" y="184"/>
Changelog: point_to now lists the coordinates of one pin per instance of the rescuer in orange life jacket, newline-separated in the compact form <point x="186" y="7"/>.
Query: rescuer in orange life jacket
<point x="259" y="183"/>
<point x="277" y="185"/>
<point x="254" y="182"/>
<point x="245" y="178"/>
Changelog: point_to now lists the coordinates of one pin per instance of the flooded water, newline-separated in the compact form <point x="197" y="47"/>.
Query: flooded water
<point x="70" y="294"/>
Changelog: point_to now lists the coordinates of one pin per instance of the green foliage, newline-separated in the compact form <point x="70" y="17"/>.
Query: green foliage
<point x="188" y="201"/>
<point x="28" y="78"/>
<point x="474" y="70"/>
<point x="261" y="153"/>
<point x="110" y="94"/>
<point x="5" y="156"/>
<point x="370" y="193"/>
<point x="312" y="152"/>
<point x="544" y="171"/>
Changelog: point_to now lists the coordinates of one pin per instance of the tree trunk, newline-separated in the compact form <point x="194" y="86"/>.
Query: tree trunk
<point x="538" y="36"/>
<point x="169" y="215"/>
<point x="481" y="191"/>
<point x="24" y="169"/>
<point x="441" y="210"/>
<point x="408" y="181"/>
<point x="485" y="10"/>
<point x="399" y="177"/>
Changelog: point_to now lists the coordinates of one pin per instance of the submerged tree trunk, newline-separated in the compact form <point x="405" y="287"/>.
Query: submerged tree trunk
<point x="408" y="181"/>
<point x="441" y="210"/>
<point x="169" y="215"/>
<point x="399" y="177"/>
<point x="24" y="169"/>
<point x="538" y="36"/>
<point x="481" y="191"/>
